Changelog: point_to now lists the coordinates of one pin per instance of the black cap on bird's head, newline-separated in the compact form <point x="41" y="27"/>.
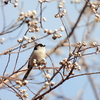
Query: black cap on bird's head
<point x="39" y="45"/>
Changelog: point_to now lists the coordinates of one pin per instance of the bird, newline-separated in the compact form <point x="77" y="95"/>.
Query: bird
<point x="38" y="54"/>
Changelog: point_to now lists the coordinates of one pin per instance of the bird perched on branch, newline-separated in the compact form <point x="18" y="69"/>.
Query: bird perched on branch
<point x="37" y="55"/>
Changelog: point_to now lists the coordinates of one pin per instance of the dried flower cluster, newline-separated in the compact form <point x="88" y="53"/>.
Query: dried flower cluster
<point x="55" y="32"/>
<point x="48" y="84"/>
<point x="22" y="92"/>
<point x="14" y="2"/>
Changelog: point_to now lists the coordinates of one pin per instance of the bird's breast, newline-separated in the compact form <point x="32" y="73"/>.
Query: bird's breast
<point x="38" y="55"/>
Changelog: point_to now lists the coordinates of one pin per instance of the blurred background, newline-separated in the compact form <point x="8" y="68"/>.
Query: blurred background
<point x="76" y="21"/>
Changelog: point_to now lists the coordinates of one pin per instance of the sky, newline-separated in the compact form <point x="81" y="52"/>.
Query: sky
<point x="72" y="87"/>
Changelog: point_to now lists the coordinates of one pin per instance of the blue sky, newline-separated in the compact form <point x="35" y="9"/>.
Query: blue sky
<point x="71" y="87"/>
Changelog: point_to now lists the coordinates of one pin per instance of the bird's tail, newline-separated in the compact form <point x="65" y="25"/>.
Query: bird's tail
<point x="27" y="73"/>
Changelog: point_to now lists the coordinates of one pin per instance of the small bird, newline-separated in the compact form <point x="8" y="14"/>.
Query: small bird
<point x="38" y="53"/>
